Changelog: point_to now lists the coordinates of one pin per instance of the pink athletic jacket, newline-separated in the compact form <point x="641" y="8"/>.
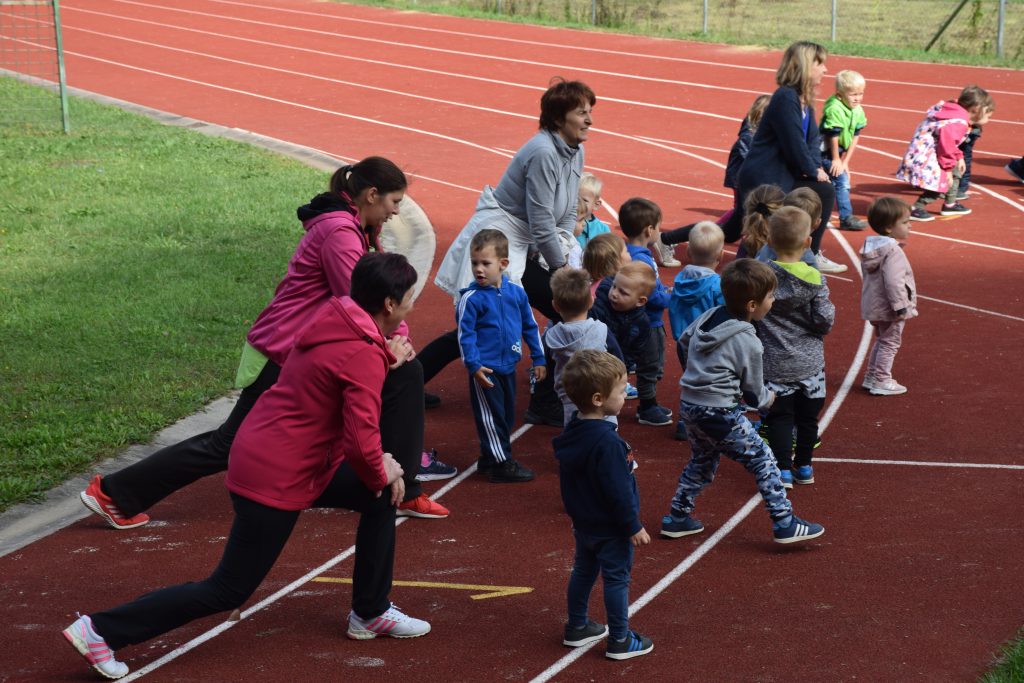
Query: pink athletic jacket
<point x="324" y="409"/>
<point x="320" y="268"/>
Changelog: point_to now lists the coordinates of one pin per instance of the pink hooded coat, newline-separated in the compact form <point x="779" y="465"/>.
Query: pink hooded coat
<point x="935" y="147"/>
<point x="888" y="281"/>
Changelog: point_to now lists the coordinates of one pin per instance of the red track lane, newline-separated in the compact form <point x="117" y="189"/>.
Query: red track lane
<point x="917" y="574"/>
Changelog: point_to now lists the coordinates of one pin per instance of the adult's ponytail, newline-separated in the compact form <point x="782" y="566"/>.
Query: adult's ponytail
<point x="378" y="172"/>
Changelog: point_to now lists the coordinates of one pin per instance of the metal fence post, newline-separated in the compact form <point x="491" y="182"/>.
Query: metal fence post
<point x="834" y="20"/>
<point x="705" y="25"/>
<point x="999" y="28"/>
<point x="593" y="12"/>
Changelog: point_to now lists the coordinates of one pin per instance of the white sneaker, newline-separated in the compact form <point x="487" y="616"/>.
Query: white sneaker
<point x="95" y="650"/>
<point x="890" y="387"/>
<point x="392" y="623"/>
<point x="868" y="383"/>
<point x="826" y="265"/>
<point x="667" y="255"/>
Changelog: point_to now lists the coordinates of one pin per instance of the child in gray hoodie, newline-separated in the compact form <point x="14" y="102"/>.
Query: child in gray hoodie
<point x="723" y="365"/>
<point x="794" y="347"/>
<point x="570" y="295"/>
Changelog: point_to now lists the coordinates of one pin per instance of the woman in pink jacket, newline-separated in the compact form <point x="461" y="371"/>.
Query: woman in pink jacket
<point x="889" y="294"/>
<point x="341" y="226"/>
<point x="312" y="440"/>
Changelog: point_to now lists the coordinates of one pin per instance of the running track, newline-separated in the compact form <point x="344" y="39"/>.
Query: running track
<point x="918" y="575"/>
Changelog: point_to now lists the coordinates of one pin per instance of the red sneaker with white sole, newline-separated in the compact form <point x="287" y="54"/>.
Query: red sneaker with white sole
<point x="423" y="508"/>
<point x="100" y="503"/>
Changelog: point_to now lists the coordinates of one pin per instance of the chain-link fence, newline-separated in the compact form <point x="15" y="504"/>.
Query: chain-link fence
<point x="893" y="24"/>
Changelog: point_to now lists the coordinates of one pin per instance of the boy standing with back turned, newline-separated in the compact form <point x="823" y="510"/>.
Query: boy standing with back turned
<point x="595" y="473"/>
<point x="723" y="365"/>
<point x="493" y="317"/>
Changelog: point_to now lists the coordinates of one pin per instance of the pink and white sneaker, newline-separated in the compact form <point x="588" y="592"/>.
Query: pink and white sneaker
<point x="92" y="646"/>
<point x="392" y="623"/>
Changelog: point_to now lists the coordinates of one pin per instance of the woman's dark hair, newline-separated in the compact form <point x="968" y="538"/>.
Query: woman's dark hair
<point x="376" y="172"/>
<point x="379" y="276"/>
<point x="560" y="99"/>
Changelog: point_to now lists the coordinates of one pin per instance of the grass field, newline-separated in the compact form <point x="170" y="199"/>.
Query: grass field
<point x="135" y="257"/>
<point x="894" y="29"/>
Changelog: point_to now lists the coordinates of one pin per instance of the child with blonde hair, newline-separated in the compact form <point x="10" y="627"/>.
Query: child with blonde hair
<point x="761" y="203"/>
<point x="934" y="161"/>
<point x="889" y="294"/>
<point x="842" y="120"/>
<point x="590" y="199"/>
<point x="603" y="257"/>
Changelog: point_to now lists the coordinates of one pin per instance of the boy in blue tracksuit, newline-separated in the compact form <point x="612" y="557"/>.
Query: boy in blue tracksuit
<point x="640" y="220"/>
<point x="595" y="473"/>
<point x="697" y="288"/>
<point x="493" y="317"/>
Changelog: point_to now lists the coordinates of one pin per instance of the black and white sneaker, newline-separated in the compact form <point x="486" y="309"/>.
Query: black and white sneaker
<point x="584" y="635"/>
<point x="920" y="215"/>
<point x="796" y="531"/>
<point x="956" y="209"/>
<point x="635" y="645"/>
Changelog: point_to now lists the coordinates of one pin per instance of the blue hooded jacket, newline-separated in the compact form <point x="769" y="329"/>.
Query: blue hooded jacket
<point x="595" y="474"/>
<point x="492" y="322"/>
<point x="696" y="289"/>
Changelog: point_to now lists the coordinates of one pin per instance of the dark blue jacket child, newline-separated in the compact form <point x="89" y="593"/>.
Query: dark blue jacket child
<point x="632" y="329"/>
<point x="595" y="472"/>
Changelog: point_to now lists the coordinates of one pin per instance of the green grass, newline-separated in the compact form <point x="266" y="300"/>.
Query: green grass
<point x="135" y="256"/>
<point x="889" y="29"/>
<point x="1009" y="667"/>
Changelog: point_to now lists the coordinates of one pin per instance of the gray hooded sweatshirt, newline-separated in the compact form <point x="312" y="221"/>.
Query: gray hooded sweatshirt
<point x="565" y="339"/>
<point x="723" y="362"/>
<point x="793" y="332"/>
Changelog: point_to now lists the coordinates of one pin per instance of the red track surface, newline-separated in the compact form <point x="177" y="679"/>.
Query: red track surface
<point x="918" y="576"/>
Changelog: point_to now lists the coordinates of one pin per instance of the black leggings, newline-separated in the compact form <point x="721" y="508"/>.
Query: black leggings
<point x="733" y="228"/>
<point x="139" y="486"/>
<point x="787" y="412"/>
<point x="258" y="535"/>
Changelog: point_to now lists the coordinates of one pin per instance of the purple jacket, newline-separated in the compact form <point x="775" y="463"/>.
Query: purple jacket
<point x="888" y="281"/>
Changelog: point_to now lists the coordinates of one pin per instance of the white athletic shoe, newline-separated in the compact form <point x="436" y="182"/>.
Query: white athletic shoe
<point x="826" y="265"/>
<point x="666" y="254"/>
<point x="393" y="623"/>
<point x="95" y="650"/>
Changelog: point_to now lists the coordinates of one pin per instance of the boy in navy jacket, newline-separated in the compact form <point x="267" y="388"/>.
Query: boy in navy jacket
<point x="493" y="317"/>
<point x="595" y="472"/>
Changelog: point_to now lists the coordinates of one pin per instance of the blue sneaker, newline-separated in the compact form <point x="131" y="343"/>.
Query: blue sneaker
<point x="675" y="527"/>
<point x="797" y="531"/>
<point x="803" y="475"/>
<point x="434" y="469"/>
<point x="787" y="478"/>
<point x="631" y="393"/>
<point x="656" y="416"/>
<point x="681" y="431"/>
<point x="635" y="645"/>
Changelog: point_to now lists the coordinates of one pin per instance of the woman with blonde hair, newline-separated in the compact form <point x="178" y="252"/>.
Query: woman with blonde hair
<point x="786" y="148"/>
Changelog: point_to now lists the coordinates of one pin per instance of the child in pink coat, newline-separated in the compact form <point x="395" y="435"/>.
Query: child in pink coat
<point x="934" y="161"/>
<point x="889" y="295"/>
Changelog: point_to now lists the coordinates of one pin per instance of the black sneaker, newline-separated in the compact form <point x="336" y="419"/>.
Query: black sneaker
<point x="852" y="223"/>
<point x="584" y="635"/>
<point x="1016" y="169"/>
<point x="431" y="400"/>
<point x="920" y="215"/>
<point x="957" y="209"/>
<point x="509" y="472"/>
<point x="548" y="418"/>
<point x="635" y="645"/>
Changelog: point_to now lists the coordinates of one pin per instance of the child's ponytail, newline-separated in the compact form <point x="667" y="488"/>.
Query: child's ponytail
<point x="761" y="203"/>
<point x="378" y="172"/>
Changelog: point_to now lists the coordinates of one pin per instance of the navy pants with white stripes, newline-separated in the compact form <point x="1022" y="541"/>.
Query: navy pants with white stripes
<point x="494" y="410"/>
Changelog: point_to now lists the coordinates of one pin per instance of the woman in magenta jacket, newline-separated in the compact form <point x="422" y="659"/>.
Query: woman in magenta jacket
<point x="312" y="440"/>
<point x="341" y="226"/>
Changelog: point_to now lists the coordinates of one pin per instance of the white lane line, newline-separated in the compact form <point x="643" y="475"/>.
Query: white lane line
<point x="704" y="548"/>
<point x="515" y="60"/>
<point x="971" y="308"/>
<point x="923" y="463"/>
<point x="576" y="46"/>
